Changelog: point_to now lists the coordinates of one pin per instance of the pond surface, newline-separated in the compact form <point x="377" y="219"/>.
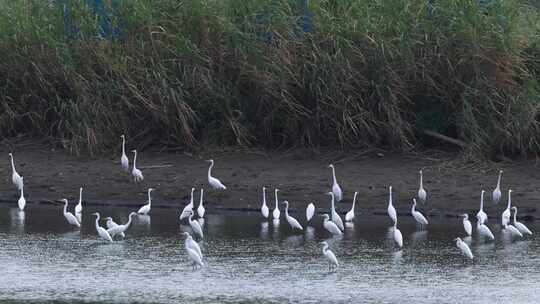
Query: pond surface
<point x="249" y="260"/>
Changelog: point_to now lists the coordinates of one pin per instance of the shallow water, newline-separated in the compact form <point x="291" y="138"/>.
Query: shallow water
<point x="249" y="260"/>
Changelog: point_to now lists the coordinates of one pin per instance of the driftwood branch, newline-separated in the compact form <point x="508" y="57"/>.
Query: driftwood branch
<point x="445" y="138"/>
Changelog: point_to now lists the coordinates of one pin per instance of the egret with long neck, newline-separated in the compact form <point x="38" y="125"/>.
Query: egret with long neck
<point x="520" y="226"/>
<point x="135" y="172"/>
<point x="188" y="208"/>
<point x="78" y="207"/>
<point x="349" y="217"/>
<point x="291" y="220"/>
<point x="69" y="216"/>
<point x="336" y="189"/>
<point x="276" y="212"/>
<point x="146" y="208"/>
<point x="15" y="177"/>
<point x="497" y="191"/>
<point x="335" y="216"/>
<point x="481" y="215"/>
<point x="391" y="210"/>
<point x="101" y="231"/>
<point x="214" y="182"/>
<point x="329" y="255"/>
<point x="121" y="229"/>
<point x="22" y="201"/>
<point x="264" y="207"/>
<point x="124" y="161"/>
<point x="505" y="216"/>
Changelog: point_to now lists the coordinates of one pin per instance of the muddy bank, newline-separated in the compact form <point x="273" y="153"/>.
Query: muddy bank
<point x="453" y="186"/>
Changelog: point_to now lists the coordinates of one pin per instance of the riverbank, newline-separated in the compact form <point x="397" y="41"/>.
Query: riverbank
<point x="453" y="186"/>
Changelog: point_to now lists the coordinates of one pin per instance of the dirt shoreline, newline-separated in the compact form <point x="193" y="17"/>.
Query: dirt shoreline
<point x="453" y="186"/>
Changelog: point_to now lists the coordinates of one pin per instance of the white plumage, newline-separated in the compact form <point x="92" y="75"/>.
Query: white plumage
<point x="497" y="191"/>
<point x="124" y="161"/>
<point x="120" y="229"/>
<point x="336" y="189"/>
<point x="191" y="244"/>
<point x="310" y="211"/>
<point x="331" y="226"/>
<point x="422" y="194"/>
<point x="291" y="220"/>
<point x="200" y="209"/>
<point x="78" y="207"/>
<point x="481" y="215"/>
<point x="188" y="208"/>
<point x="513" y="230"/>
<point x="483" y="230"/>
<point x="418" y="216"/>
<point x="214" y="182"/>
<point x="329" y="255"/>
<point x="349" y="217"/>
<point x="71" y="219"/>
<point x="101" y="231"/>
<point x="264" y="208"/>
<point x="465" y="250"/>
<point x="22" y="201"/>
<point x="135" y="172"/>
<point x="146" y="208"/>
<point x="15" y="177"/>
<point x="398" y="237"/>
<point x="505" y="216"/>
<point x="276" y="212"/>
<point x="112" y="224"/>
<point x="520" y="226"/>
<point x="391" y="210"/>
<point x="335" y="216"/>
<point x="195" y="226"/>
<point x="467" y="224"/>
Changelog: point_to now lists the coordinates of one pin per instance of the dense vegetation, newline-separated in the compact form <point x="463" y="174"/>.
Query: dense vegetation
<point x="273" y="73"/>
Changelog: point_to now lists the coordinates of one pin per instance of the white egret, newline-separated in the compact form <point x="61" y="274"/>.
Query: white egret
<point x="505" y="217"/>
<point x="201" y="210"/>
<point x="481" y="215"/>
<point x="329" y="255"/>
<point x="112" y="224"/>
<point x="422" y="195"/>
<point x="195" y="226"/>
<point x="310" y="211"/>
<point x="124" y="161"/>
<point x="335" y="216"/>
<point x="264" y="207"/>
<point x="22" y="200"/>
<point x="465" y="250"/>
<point x="520" y="226"/>
<point x="188" y="208"/>
<point x="482" y="229"/>
<point x="135" y="172"/>
<point x="276" y="212"/>
<point x="101" y="231"/>
<point x="214" y="182"/>
<point x="467" y="224"/>
<point x="146" y="208"/>
<point x="513" y="230"/>
<point x="391" y="210"/>
<point x="497" y="191"/>
<point x="69" y="216"/>
<point x="292" y="221"/>
<point x="336" y="189"/>
<point x="331" y="226"/>
<point x="78" y="207"/>
<point x="349" y="217"/>
<point x="190" y="243"/>
<point x="193" y="253"/>
<point x="15" y="177"/>
<point x="398" y="237"/>
<point x="418" y="216"/>
<point x="121" y="229"/>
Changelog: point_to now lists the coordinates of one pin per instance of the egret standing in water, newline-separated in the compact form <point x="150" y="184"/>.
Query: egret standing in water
<point x="112" y="224"/>
<point x="336" y="189"/>
<point x="521" y="227"/>
<point x="418" y="216"/>
<point x="330" y="226"/>
<point x="291" y="220"/>
<point x="513" y="230"/>
<point x="481" y="215"/>
<point x="349" y="217"/>
<point x="505" y="217"/>
<point x="467" y="224"/>
<point x="193" y="250"/>
<point x="78" y="207"/>
<point x="335" y="216"/>
<point x="195" y="226"/>
<point x="310" y="211"/>
<point x="329" y="255"/>
<point x="276" y="212"/>
<point x="22" y="200"/>
<point x="201" y="210"/>
<point x="214" y="182"/>
<point x="264" y="207"/>
<point x="124" y="161"/>
<point x="135" y="172"/>
<point x="121" y="229"/>
<point x="497" y="191"/>
<point x="188" y="208"/>
<point x="146" y="208"/>
<point x="482" y="229"/>
<point x="71" y="219"/>
<point x="391" y="210"/>
<point x="398" y="237"/>
<point x="422" y="195"/>
<point x="101" y="231"/>
<point x="465" y="250"/>
<point x="15" y="177"/>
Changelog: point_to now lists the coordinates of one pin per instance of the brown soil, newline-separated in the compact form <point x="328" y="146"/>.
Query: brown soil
<point x="453" y="185"/>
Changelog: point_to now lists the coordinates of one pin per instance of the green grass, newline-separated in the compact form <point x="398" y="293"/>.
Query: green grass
<point x="192" y="73"/>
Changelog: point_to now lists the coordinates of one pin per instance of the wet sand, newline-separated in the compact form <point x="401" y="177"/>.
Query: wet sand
<point x="453" y="186"/>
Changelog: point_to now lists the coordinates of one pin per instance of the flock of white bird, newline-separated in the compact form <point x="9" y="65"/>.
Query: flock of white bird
<point x="332" y="223"/>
